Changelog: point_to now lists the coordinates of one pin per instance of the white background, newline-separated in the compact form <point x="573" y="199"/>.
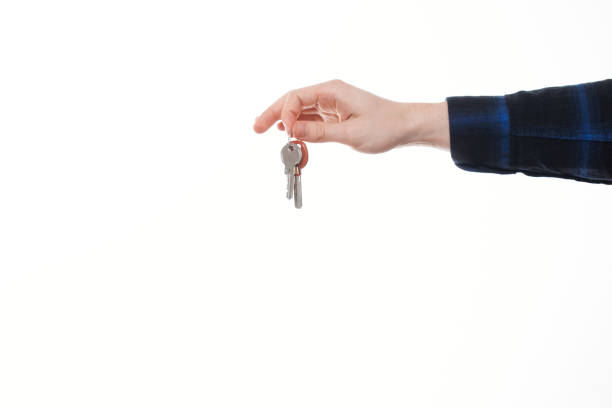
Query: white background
<point x="148" y="256"/>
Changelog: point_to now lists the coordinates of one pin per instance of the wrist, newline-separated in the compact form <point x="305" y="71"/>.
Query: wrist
<point x="427" y="124"/>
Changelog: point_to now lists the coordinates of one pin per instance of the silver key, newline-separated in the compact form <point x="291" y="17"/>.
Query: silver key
<point x="290" y="182"/>
<point x="291" y="154"/>
<point x="297" y="185"/>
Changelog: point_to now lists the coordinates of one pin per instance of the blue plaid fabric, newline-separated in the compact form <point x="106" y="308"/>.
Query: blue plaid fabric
<point x="558" y="132"/>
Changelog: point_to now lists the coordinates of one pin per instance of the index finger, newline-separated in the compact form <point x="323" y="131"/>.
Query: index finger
<point x="287" y="108"/>
<point x="269" y="116"/>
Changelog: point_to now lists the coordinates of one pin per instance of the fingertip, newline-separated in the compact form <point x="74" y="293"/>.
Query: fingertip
<point x="260" y="127"/>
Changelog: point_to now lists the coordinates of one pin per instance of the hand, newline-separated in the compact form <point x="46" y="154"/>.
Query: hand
<point x="335" y="111"/>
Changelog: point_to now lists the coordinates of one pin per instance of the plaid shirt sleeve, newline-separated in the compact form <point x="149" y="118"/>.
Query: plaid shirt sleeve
<point x="558" y="132"/>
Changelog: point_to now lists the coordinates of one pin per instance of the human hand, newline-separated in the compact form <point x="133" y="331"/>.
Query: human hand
<point x="335" y="111"/>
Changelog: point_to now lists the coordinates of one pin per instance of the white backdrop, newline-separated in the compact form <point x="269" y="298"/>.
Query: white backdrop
<point x="148" y="256"/>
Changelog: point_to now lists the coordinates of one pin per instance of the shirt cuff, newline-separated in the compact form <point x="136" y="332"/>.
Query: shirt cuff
<point x="480" y="133"/>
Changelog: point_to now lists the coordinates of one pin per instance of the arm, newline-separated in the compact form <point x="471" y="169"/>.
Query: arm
<point x="560" y="132"/>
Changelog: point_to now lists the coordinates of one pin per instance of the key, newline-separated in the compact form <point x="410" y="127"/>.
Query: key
<point x="297" y="186"/>
<point x="297" y="172"/>
<point x="291" y="155"/>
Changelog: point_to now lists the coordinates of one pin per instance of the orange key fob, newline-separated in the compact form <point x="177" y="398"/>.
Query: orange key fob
<point x="304" y="160"/>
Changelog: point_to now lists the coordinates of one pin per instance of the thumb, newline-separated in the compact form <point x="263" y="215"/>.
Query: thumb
<point x="311" y="131"/>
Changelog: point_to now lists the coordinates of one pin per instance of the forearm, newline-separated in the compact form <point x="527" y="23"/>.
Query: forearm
<point x="560" y="132"/>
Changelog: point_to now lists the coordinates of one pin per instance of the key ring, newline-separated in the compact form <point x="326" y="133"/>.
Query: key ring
<point x="304" y="160"/>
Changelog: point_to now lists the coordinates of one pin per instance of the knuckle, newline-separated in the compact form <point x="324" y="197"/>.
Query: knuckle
<point x="293" y="111"/>
<point x="287" y="97"/>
